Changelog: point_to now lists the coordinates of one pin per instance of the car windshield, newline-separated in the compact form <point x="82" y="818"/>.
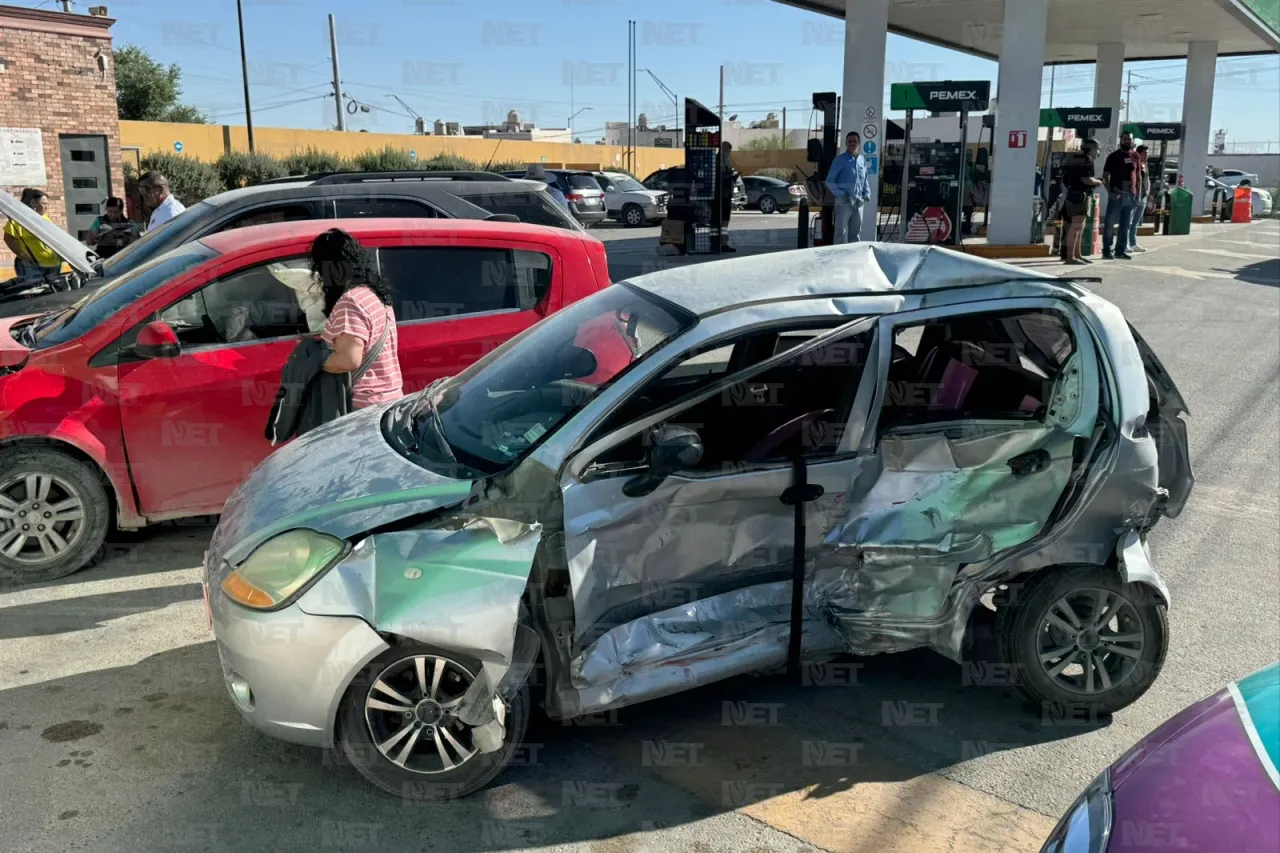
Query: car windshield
<point x="103" y="301"/>
<point x="493" y="413"/>
<point x="157" y="241"/>
<point x="626" y="183"/>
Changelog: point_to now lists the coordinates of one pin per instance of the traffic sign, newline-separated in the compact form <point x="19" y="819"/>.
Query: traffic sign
<point x="177" y="145"/>
<point x="869" y="131"/>
<point x="873" y="165"/>
<point x="871" y="112"/>
<point x="868" y="148"/>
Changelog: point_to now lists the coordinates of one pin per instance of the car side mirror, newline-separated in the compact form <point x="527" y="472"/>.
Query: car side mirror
<point x="157" y="340"/>
<point x="815" y="151"/>
<point x="671" y="449"/>
<point x="502" y="217"/>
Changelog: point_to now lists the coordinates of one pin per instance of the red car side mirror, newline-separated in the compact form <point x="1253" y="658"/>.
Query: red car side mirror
<point x="157" y="340"/>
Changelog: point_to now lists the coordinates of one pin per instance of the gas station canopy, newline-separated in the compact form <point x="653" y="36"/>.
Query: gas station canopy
<point x="1150" y="29"/>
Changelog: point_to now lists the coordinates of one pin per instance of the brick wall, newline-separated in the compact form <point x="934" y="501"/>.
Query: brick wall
<point x="51" y="80"/>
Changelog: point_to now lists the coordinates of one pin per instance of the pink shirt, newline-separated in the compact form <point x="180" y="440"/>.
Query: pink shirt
<point x="359" y="312"/>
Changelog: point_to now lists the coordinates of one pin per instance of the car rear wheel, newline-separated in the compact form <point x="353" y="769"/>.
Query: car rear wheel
<point x="397" y="725"/>
<point x="767" y="204"/>
<point x="632" y="215"/>
<point x="1081" y="637"/>
<point x="54" y="515"/>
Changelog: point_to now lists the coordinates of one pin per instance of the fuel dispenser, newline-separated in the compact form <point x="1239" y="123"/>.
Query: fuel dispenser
<point x="1164" y="133"/>
<point x="694" y="221"/>
<point x="934" y="189"/>
<point x="822" y="153"/>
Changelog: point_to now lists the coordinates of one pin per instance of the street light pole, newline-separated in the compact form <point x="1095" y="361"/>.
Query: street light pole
<point x="337" y="79"/>
<point x="572" y="117"/>
<point x="670" y="94"/>
<point x="244" y="73"/>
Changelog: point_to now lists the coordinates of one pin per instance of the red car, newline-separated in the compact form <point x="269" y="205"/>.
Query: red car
<point x="148" y="399"/>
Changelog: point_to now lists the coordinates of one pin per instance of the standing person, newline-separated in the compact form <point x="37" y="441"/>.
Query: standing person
<point x="112" y="231"/>
<point x="1120" y="175"/>
<point x="538" y="172"/>
<point x="157" y="197"/>
<point x="728" y="180"/>
<point x="848" y="183"/>
<point x="1144" y="193"/>
<point x="31" y="257"/>
<point x="361" y="324"/>
<point x="1078" y="187"/>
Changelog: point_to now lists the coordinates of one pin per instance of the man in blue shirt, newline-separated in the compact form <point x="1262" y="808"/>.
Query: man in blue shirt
<point x="848" y="183"/>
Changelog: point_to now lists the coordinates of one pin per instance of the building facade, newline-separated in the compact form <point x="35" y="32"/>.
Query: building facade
<point x="59" y="130"/>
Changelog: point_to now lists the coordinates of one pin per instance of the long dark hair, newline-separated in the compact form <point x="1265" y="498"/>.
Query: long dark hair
<point x="339" y="263"/>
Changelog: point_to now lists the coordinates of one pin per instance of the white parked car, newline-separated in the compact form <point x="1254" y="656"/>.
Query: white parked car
<point x="1236" y="177"/>
<point x="631" y="202"/>
<point x="1262" y="200"/>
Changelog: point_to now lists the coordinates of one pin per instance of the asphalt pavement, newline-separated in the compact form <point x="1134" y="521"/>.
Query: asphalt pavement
<point x="116" y="734"/>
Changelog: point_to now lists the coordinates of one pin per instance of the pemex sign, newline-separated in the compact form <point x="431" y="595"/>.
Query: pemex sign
<point x="948" y="96"/>
<point x="1155" y="132"/>
<point x="1076" y="118"/>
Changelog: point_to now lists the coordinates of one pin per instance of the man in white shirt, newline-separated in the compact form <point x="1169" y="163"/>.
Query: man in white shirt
<point x="156" y="195"/>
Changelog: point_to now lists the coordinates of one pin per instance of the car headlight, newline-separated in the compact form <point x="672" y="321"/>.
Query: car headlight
<point x="1086" y="827"/>
<point x="279" y="567"/>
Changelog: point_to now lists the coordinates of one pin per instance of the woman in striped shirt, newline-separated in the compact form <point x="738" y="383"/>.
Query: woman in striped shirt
<point x="361" y="324"/>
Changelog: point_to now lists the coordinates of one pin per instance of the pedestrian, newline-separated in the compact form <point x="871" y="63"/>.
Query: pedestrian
<point x="1078" y="188"/>
<point x="32" y="258"/>
<point x="851" y="189"/>
<point x="538" y="172"/>
<point x="158" y="198"/>
<point x="112" y="231"/>
<point x="361" y="324"/>
<point x="1120" y="175"/>
<point x="1144" y="193"/>
<point x="728" y="181"/>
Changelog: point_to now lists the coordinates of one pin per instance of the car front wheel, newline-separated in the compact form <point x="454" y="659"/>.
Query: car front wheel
<point x="633" y="216"/>
<point x="54" y="515"/>
<point x="1081" y="637"/>
<point x="398" y="726"/>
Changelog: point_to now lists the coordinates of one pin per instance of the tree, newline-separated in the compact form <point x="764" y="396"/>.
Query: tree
<point x="763" y="143"/>
<point x="147" y="91"/>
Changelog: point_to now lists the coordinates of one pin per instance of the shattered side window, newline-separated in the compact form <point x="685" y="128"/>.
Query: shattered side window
<point x="981" y="366"/>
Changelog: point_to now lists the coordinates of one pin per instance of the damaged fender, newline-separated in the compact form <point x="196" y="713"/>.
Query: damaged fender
<point x="456" y="586"/>
<point x="1136" y="567"/>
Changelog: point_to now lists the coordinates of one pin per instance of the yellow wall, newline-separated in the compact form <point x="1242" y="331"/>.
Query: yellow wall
<point x="209" y="142"/>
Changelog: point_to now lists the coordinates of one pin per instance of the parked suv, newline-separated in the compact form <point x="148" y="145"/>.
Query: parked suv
<point x="437" y="195"/>
<point x="581" y="191"/>
<point x="665" y="179"/>
<point x="148" y="399"/>
<point x="631" y="202"/>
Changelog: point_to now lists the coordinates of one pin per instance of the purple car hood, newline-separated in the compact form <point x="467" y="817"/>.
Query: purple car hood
<point x="1205" y="779"/>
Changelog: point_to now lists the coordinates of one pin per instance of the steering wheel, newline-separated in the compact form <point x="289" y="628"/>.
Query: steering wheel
<point x="900" y="353"/>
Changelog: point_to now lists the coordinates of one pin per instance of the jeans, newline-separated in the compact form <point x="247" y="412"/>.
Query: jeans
<point x="848" y="221"/>
<point x="1135" y="220"/>
<point x="1120" y="208"/>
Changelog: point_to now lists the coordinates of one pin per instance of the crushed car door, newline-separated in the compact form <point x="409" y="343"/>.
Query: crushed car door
<point x="1167" y="428"/>
<point x="982" y="417"/>
<point x="717" y="524"/>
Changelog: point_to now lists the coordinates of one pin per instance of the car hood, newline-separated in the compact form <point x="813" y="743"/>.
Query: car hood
<point x="1209" y="771"/>
<point x="342" y="479"/>
<point x="71" y="250"/>
<point x="643" y="196"/>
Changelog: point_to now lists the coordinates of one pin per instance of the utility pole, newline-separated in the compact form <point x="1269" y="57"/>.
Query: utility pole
<point x="66" y="6"/>
<point x="722" y="103"/>
<point x="337" y="79"/>
<point x="784" y="127"/>
<point x="1128" y="95"/>
<point x="244" y="73"/>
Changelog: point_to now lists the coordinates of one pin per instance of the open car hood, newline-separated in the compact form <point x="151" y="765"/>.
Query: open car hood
<point x="71" y="250"/>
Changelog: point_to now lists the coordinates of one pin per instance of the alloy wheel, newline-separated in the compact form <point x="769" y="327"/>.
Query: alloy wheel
<point x="41" y="518"/>
<point x="1090" y="640"/>
<point x="633" y="216"/>
<point x="411" y="711"/>
<point x="767" y="204"/>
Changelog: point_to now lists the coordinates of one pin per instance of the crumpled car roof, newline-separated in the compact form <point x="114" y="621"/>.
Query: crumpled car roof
<point x="850" y="269"/>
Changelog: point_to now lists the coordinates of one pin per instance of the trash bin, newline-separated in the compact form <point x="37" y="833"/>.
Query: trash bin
<point x="1180" y="211"/>
<point x="1091" y="237"/>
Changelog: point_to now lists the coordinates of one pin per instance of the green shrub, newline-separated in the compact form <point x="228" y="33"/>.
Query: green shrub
<point x="242" y="169"/>
<point x="505" y="166"/>
<point x="447" y="162"/>
<point x="190" y="180"/>
<point x="777" y="172"/>
<point x="313" y="161"/>
<point x="387" y="159"/>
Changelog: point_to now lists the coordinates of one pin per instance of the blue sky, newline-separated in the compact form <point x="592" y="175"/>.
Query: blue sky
<point x="470" y="61"/>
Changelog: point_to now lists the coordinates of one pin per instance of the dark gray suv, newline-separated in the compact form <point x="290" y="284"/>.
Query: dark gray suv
<point x="342" y="195"/>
